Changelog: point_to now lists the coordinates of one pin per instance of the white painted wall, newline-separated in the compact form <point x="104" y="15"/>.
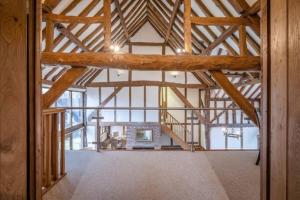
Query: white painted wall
<point x="148" y="34"/>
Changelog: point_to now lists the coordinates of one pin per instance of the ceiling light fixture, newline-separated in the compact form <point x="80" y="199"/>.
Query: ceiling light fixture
<point x="115" y="48"/>
<point x="180" y="51"/>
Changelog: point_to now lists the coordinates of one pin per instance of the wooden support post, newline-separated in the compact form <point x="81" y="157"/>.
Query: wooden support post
<point x="207" y="117"/>
<point x="84" y="118"/>
<point x="242" y="42"/>
<point x="115" y="105"/>
<point x="199" y="123"/>
<point x="226" y="122"/>
<point x="185" y="111"/>
<point x="187" y="26"/>
<point x="62" y="144"/>
<point x="107" y="25"/>
<point x="130" y="95"/>
<point x="49" y="35"/>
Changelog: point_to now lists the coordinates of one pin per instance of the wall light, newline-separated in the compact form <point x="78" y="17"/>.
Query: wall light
<point x="174" y="74"/>
<point x="120" y="72"/>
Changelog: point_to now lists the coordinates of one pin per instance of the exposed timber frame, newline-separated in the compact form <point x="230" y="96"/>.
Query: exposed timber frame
<point x="154" y="62"/>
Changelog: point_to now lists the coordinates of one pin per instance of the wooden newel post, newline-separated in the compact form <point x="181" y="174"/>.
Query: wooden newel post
<point x="54" y="147"/>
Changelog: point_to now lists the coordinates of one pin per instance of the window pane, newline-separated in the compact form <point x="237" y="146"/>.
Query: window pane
<point x="76" y="99"/>
<point x="77" y="117"/>
<point x="77" y="140"/>
<point x="68" y="119"/>
<point x="64" y="100"/>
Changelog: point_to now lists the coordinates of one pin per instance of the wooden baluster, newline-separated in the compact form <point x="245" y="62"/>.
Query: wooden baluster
<point x="48" y="150"/>
<point x="62" y="144"/>
<point x="54" y="146"/>
<point x="44" y="124"/>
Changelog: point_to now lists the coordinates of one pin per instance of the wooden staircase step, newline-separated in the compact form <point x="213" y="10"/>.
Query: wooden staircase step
<point x="178" y="140"/>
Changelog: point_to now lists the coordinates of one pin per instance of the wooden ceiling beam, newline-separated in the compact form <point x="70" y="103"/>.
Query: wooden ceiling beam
<point x="137" y="17"/>
<point x="71" y="26"/>
<point x="172" y="19"/>
<point x="74" y="19"/>
<point x="227" y="33"/>
<point x="153" y="62"/>
<point x="122" y="19"/>
<point x="117" y="30"/>
<point x="226" y="12"/>
<point x="224" y="21"/>
<point x="146" y="83"/>
<point x="177" y="30"/>
<point x="63" y="30"/>
<point x="242" y="7"/>
<point x="155" y="14"/>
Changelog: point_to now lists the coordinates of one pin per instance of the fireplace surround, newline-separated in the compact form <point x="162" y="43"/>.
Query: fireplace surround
<point x="143" y="135"/>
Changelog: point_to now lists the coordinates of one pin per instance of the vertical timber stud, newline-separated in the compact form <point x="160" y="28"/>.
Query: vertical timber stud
<point x="62" y="144"/>
<point x="187" y="27"/>
<point x="207" y="117"/>
<point x="49" y="35"/>
<point x="242" y="42"/>
<point x="107" y="25"/>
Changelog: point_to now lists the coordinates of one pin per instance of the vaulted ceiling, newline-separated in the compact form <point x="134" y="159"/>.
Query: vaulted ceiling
<point x="166" y="17"/>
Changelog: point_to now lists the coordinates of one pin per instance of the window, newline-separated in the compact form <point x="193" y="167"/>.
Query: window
<point x="77" y="115"/>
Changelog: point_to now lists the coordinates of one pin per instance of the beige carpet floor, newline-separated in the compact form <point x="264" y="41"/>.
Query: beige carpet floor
<point x="138" y="175"/>
<point x="237" y="172"/>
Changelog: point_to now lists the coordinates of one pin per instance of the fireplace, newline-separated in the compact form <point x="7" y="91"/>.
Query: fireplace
<point x="143" y="135"/>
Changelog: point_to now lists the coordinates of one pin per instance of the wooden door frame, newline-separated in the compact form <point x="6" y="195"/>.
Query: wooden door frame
<point x="280" y="166"/>
<point x="34" y="20"/>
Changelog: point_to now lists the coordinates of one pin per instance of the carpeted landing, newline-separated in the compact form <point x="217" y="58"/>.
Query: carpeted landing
<point x="138" y="175"/>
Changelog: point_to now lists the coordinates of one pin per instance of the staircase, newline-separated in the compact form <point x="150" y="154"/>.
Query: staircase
<point x="171" y="126"/>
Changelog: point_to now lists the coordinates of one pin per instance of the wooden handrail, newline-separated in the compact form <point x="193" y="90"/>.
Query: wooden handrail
<point x="53" y="111"/>
<point x="172" y="122"/>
